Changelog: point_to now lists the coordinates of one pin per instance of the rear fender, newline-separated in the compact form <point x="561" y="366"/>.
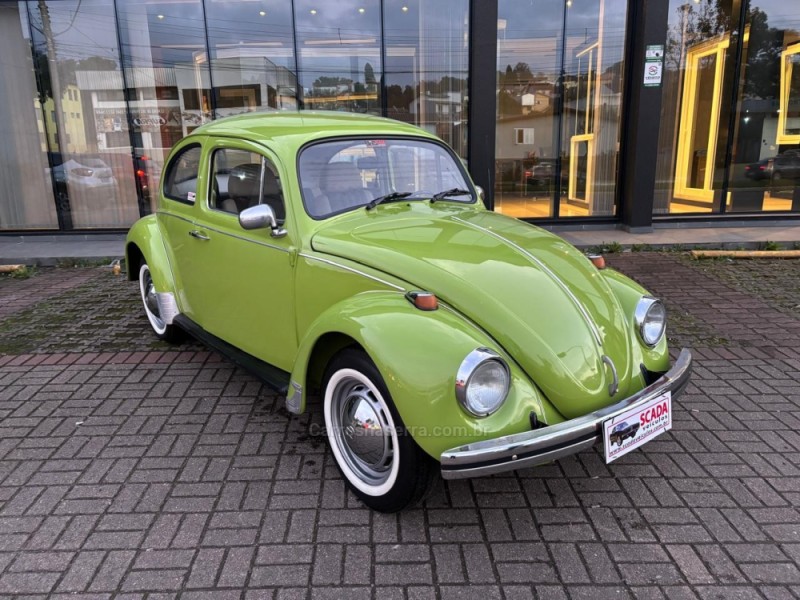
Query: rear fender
<point x="145" y="241"/>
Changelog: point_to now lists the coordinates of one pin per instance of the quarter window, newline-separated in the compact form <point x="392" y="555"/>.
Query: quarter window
<point x="181" y="180"/>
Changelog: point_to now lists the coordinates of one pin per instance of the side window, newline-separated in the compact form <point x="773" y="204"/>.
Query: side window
<point x="241" y="179"/>
<point x="180" y="182"/>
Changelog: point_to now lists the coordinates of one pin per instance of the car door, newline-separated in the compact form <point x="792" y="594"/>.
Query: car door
<point x="239" y="284"/>
<point x="181" y="186"/>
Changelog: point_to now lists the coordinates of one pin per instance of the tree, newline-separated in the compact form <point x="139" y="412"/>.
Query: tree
<point x="763" y="57"/>
<point x="696" y="24"/>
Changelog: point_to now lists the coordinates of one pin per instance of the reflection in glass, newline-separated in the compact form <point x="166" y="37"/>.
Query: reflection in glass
<point x="427" y="62"/>
<point x="528" y="68"/>
<point x="697" y="79"/>
<point x="252" y="55"/>
<point x="26" y="192"/>
<point x="789" y="117"/>
<point x="90" y="150"/>
<point x="764" y="174"/>
<point x="593" y="68"/>
<point x="339" y="62"/>
<point x="168" y="83"/>
<point x="559" y="102"/>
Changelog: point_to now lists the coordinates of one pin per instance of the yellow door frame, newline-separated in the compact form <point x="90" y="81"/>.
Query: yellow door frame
<point x="787" y="67"/>
<point x="715" y="47"/>
<point x="590" y="115"/>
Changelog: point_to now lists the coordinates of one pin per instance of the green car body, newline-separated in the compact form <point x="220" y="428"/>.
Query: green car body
<point x="290" y="297"/>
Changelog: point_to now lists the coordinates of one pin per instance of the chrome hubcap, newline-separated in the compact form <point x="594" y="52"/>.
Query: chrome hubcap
<point x="151" y="300"/>
<point x="361" y="431"/>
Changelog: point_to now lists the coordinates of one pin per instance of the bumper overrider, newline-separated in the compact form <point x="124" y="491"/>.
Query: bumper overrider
<point x="547" y="444"/>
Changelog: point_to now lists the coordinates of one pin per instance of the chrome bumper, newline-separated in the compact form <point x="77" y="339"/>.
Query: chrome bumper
<point x="544" y="445"/>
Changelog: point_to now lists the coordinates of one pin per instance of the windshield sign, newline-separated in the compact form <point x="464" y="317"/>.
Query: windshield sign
<point x="344" y="175"/>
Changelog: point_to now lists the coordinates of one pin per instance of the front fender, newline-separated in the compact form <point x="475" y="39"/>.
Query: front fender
<point x="628" y="292"/>
<point x="145" y="240"/>
<point x="418" y="354"/>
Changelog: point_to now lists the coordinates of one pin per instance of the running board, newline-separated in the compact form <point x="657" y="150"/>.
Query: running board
<point x="274" y="377"/>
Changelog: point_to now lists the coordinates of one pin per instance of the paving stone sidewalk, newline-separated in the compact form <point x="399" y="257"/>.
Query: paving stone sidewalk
<point x="136" y="470"/>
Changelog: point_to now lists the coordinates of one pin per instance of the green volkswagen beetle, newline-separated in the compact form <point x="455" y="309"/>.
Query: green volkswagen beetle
<point x="352" y="255"/>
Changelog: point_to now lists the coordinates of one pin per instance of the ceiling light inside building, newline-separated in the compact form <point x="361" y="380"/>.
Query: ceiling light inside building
<point x="262" y="13"/>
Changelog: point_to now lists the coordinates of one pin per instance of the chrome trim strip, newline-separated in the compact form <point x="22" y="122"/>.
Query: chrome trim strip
<point x="539" y="446"/>
<point x="233" y="235"/>
<point x="598" y="338"/>
<point x="167" y="306"/>
<point x="295" y="399"/>
<point x="352" y="270"/>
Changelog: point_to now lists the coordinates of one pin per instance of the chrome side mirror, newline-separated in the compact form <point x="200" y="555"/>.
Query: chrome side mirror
<point x="481" y="193"/>
<point x="260" y="217"/>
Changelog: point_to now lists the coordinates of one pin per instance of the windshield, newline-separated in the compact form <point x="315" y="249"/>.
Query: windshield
<point x="341" y="175"/>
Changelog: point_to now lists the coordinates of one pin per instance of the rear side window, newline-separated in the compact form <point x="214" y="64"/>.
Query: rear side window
<point x="181" y="181"/>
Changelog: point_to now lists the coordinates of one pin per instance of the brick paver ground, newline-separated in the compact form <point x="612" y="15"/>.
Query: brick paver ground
<point x="131" y="469"/>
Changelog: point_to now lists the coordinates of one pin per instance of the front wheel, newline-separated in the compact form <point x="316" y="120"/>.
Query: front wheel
<point x="168" y="333"/>
<point x="380" y="461"/>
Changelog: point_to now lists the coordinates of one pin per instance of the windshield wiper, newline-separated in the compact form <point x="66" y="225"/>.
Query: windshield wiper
<point x="448" y="193"/>
<point x="387" y="198"/>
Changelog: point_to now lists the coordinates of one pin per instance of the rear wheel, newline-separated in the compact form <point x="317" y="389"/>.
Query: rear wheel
<point x="380" y="461"/>
<point x="163" y="331"/>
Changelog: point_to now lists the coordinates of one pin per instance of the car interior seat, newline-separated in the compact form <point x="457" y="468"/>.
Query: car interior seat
<point x="244" y="183"/>
<point x="273" y="195"/>
<point x="341" y="184"/>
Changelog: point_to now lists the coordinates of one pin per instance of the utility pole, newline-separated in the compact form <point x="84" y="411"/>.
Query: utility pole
<point x="62" y="206"/>
<point x="55" y="82"/>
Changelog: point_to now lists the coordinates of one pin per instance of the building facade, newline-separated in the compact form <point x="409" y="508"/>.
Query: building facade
<point x="573" y="111"/>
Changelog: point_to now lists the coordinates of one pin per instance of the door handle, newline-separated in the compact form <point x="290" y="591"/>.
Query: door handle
<point x="199" y="235"/>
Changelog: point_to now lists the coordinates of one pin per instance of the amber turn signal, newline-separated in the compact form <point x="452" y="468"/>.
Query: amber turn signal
<point x="423" y="300"/>
<point x="598" y="260"/>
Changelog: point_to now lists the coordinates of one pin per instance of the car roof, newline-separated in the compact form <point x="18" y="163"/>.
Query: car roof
<point x="306" y="124"/>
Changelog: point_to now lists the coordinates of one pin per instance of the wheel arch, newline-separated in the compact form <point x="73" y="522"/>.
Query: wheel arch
<point x="145" y="241"/>
<point x="325" y="348"/>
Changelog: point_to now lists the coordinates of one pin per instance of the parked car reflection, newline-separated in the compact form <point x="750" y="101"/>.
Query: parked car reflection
<point x="785" y="165"/>
<point x="88" y="174"/>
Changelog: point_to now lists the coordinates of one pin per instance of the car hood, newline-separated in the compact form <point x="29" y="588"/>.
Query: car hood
<point x="535" y="294"/>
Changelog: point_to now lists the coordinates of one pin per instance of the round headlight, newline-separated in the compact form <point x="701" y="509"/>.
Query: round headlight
<point x="482" y="382"/>
<point x="651" y="320"/>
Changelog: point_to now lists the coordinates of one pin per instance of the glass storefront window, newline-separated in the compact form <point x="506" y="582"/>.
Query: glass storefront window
<point x="594" y="51"/>
<point x="26" y="192"/>
<point x="696" y="106"/>
<point x="92" y="172"/>
<point x="559" y="102"/>
<point x="168" y="83"/>
<point x="252" y="55"/>
<point x="764" y="173"/>
<point x="730" y="134"/>
<point x="339" y="62"/>
<point x="427" y="64"/>
<point x="529" y="59"/>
